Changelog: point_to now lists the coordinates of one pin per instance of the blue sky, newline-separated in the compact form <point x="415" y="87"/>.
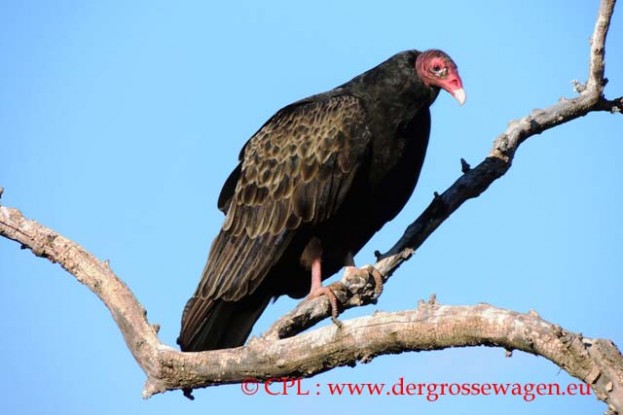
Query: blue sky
<point x="119" y="122"/>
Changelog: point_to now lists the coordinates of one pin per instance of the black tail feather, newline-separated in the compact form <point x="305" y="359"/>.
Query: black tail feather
<point x="222" y="324"/>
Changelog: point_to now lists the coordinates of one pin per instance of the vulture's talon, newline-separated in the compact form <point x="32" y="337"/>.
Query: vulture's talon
<point x="333" y="301"/>
<point x="337" y="322"/>
<point x="378" y="281"/>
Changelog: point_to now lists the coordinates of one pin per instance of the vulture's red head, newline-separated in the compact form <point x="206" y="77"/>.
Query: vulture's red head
<point x="437" y="69"/>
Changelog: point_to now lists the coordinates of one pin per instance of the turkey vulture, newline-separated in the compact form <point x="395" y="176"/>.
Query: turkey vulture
<point x="313" y="185"/>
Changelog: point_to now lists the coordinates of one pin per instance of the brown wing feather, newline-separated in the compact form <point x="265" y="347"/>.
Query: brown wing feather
<point x="295" y="171"/>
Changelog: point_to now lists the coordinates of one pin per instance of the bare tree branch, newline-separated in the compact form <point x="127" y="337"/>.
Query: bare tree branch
<point x="127" y="312"/>
<point x="431" y="326"/>
<point x="597" y="63"/>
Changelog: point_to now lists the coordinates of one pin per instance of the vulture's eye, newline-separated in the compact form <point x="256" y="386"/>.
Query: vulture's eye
<point x="439" y="70"/>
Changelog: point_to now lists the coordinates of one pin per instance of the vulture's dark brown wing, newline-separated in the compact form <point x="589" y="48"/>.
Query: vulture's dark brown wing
<point x="295" y="171"/>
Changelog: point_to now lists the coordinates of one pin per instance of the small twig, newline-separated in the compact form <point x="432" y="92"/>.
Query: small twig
<point x="465" y="167"/>
<point x="578" y="86"/>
